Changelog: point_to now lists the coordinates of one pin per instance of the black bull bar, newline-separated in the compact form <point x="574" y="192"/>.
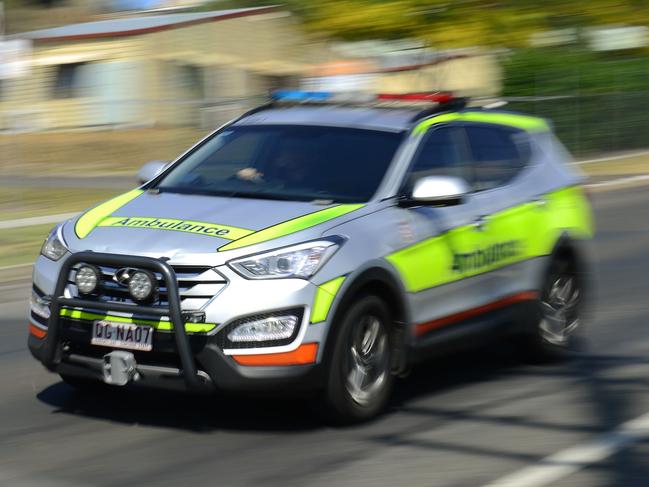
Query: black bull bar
<point x="52" y="348"/>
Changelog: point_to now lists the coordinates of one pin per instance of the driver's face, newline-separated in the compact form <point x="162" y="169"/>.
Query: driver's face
<point x="292" y="162"/>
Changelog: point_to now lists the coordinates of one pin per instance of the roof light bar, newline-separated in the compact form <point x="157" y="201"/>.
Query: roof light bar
<point x="436" y="97"/>
<point x="299" y="96"/>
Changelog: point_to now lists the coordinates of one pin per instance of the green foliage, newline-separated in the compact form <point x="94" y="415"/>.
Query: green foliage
<point x="598" y="103"/>
<point x="452" y="24"/>
<point x="561" y="71"/>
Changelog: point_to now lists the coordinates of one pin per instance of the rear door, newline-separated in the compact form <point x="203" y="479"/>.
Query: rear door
<point x="510" y="218"/>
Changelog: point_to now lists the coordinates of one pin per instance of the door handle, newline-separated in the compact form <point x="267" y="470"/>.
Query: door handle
<point x="540" y="202"/>
<point x="480" y="223"/>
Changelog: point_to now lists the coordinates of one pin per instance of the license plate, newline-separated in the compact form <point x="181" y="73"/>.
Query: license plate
<point x="122" y="335"/>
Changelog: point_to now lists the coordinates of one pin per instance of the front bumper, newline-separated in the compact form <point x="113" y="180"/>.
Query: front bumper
<point x="179" y="361"/>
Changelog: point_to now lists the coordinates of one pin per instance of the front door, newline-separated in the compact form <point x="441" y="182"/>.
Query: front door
<point x="439" y="271"/>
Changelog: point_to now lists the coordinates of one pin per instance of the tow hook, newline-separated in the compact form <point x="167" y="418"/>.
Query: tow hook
<point x="120" y="368"/>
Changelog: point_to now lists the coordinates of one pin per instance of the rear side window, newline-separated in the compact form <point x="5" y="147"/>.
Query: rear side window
<point x="498" y="153"/>
<point x="441" y="154"/>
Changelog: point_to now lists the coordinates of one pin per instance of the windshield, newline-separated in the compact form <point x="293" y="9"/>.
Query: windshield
<point x="286" y="162"/>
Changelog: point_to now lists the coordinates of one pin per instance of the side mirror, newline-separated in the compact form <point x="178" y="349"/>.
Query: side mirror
<point x="437" y="191"/>
<point x="150" y="170"/>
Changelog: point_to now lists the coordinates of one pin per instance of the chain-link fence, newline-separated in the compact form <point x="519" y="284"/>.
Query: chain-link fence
<point x="597" y="123"/>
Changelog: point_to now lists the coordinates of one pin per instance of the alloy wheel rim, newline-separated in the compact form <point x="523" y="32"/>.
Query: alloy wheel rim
<point x="559" y="309"/>
<point x="367" y="361"/>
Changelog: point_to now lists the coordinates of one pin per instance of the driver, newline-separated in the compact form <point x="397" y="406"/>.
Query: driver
<point x="289" y="167"/>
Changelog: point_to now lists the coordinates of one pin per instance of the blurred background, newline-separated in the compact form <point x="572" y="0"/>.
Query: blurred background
<point x="92" y="89"/>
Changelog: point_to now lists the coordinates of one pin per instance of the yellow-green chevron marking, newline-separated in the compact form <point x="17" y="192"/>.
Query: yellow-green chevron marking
<point x="90" y="219"/>
<point x="524" y="122"/>
<point x="324" y="297"/>
<point x="162" y="325"/>
<point x="291" y="226"/>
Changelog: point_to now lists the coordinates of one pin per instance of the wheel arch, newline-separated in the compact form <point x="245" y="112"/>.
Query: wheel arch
<point x="578" y="251"/>
<point x="379" y="281"/>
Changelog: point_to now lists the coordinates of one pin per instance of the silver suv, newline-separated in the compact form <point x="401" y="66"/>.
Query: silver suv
<point x="324" y="246"/>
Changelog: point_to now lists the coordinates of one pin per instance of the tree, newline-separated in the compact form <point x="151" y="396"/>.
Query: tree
<point x="456" y="23"/>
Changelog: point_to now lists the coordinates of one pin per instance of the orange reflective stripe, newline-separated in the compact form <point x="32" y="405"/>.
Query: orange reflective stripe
<point x="304" y="354"/>
<point x="423" y="328"/>
<point x="37" y="332"/>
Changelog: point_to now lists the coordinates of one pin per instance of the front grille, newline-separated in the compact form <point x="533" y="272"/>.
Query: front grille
<point x="196" y="285"/>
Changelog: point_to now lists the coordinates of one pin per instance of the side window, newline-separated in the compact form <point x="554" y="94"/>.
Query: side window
<point x="441" y="154"/>
<point x="498" y="153"/>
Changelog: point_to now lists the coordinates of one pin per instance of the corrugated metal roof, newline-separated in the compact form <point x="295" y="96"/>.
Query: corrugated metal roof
<point x="136" y="25"/>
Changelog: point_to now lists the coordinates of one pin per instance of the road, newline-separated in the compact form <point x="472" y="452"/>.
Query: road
<point x="466" y="420"/>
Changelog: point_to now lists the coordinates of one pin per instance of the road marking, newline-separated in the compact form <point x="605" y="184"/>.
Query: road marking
<point x="36" y="220"/>
<point x="571" y="460"/>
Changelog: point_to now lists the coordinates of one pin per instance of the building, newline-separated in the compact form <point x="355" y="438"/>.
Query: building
<point x="475" y="73"/>
<point x="164" y="70"/>
<point x="407" y="65"/>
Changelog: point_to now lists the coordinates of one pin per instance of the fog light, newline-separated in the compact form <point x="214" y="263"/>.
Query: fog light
<point x="40" y="306"/>
<point x="87" y="279"/>
<point x="141" y="285"/>
<point x="194" y="316"/>
<point x="264" y="330"/>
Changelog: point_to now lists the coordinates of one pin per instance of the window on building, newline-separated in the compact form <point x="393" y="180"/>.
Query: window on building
<point x="68" y="82"/>
<point x="191" y="81"/>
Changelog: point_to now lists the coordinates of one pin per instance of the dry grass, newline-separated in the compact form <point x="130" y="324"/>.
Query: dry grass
<point x="91" y="153"/>
<point x="618" y="167"/>
<point x="27" y="202"/>
<point x="21" y="245"/>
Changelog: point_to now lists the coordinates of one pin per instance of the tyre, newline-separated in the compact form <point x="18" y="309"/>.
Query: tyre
<point x="359" y="379"/>
<point x="559" y="313"/>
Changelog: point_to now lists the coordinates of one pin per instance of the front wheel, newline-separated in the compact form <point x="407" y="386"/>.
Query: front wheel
<point x="359" y="378"/>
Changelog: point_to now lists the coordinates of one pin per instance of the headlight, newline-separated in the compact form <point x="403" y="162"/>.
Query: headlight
<point x="300" y="261"/>
<point x="54" y="248"/>
<point x="87" y="279"/>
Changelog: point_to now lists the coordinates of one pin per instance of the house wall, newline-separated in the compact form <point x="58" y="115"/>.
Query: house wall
<point x="182" y="76"/>
<point x="478" y="75"/>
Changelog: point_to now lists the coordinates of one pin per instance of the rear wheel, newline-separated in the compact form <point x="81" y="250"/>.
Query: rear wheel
<point x="359" y="379"/>
<point x="559" y="312"/>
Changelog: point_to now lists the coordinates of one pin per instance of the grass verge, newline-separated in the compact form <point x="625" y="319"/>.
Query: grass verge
<point x="28" y="202"/>
<point x="618" y="167"/>
<point x="92" y="153"/>
<point x="21" y="245"/>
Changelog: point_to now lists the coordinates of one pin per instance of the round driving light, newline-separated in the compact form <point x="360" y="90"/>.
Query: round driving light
<point x="141" y="285"/>
<point x="87" y="279"/>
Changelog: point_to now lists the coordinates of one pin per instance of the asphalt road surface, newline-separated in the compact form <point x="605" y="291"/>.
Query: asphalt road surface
<point x="468" y="420"/>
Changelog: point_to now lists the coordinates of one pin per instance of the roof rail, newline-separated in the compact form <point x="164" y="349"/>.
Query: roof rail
<point x="453" y="104"/>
